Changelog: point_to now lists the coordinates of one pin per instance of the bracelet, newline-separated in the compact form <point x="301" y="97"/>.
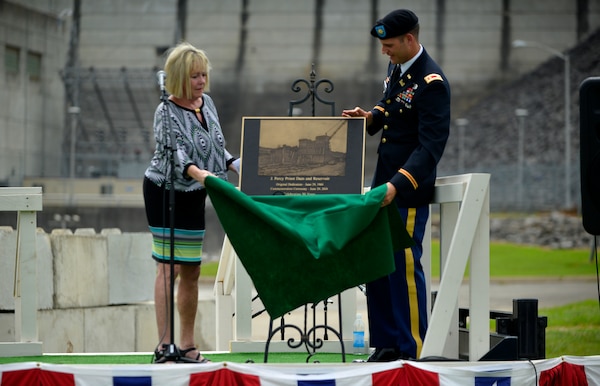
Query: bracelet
<point x="230" y="161"/>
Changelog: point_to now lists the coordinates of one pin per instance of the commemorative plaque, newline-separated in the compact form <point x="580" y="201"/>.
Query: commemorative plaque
<point x="302" y="156"/>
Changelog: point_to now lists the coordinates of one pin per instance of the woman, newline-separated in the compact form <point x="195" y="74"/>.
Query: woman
<point x="200" y="151"/>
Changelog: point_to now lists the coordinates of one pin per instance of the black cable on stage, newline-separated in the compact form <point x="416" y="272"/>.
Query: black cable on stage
<point x="594" y="255"/>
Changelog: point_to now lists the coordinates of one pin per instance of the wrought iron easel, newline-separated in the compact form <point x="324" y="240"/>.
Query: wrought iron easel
<point x="312" y="92"/>
<point x="308" y="336"/>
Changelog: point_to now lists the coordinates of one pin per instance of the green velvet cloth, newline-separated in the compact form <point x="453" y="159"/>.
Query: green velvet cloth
<point x="304" y="249"/>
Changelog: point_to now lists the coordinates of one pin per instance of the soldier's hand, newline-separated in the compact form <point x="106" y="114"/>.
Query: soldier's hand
<point x="390" y="194"/>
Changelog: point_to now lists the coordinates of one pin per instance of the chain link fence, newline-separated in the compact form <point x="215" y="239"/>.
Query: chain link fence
<point x="538" y="188"/>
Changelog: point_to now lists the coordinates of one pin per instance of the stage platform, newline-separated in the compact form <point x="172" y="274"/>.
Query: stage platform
<point x="565" y="370"/>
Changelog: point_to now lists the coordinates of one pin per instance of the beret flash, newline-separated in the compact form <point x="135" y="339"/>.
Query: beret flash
<point x="394" y="24"/>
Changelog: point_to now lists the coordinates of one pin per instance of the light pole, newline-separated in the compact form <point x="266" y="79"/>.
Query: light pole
<point x="74" y="113"/>
<point x="461" y="123"/>
<point x="521" y="114"/>
<point x="567" y="96"/>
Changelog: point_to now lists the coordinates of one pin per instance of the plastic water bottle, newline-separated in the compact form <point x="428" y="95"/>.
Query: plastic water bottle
<point x="358" y="344"/>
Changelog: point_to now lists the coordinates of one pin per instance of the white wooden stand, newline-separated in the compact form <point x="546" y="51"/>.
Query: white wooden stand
<point x="25" y="201"/>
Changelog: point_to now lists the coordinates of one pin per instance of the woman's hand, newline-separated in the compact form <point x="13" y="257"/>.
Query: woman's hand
<point x="198" y="174"/>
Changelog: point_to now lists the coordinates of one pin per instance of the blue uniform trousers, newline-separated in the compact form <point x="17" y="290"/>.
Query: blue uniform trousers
<point x="397" y="303"/>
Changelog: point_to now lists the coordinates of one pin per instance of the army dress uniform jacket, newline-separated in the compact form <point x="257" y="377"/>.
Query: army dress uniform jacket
<point x="414" y="117"/>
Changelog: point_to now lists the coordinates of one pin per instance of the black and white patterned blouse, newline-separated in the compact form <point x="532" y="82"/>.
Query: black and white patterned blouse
<point x="197" y="144"/>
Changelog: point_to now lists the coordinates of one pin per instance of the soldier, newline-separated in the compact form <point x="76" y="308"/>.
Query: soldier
<point x="413" y="117"/>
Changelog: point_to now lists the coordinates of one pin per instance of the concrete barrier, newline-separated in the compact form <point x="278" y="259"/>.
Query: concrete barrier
<point x="96" y="292"/>
<point x="8" y="245"/>
<point x="130" y="268"/>
<point x="80" y="269"/>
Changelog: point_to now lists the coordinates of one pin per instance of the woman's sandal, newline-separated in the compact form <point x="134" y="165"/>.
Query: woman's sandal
<point x="158" y="355"/>
<point x="199" y="358"/>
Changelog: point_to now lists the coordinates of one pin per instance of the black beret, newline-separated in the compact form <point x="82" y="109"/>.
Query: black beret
<point x="394" y="24"/>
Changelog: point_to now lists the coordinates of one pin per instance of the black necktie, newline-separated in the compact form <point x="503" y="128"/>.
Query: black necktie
<point x="397" y="72"/>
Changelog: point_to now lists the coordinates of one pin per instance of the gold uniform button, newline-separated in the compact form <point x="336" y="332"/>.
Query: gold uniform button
<point x="385" y="127"/>
<point x="383" y="140"/>
<point x="401" y="111"/>
<point x="388" y="101"/>
<point x="387" y="114"/>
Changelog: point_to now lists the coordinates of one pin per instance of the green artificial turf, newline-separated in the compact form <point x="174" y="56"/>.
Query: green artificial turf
<point x="295" y="357"/>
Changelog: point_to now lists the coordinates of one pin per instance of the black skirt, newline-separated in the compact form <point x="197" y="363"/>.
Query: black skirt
<point x="189" y="223"/>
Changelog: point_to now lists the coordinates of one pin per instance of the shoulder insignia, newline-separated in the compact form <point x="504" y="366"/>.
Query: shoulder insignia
<point x="431" y="77"/>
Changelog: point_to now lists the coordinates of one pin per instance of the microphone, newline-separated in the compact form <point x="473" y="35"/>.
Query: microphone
<point x="161" y="75"/>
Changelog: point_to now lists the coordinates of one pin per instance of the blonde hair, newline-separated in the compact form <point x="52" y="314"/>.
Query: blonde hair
<point x="183" y="60"/>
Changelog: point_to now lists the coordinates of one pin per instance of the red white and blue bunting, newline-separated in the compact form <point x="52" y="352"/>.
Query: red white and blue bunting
<point x="562" y="371"/>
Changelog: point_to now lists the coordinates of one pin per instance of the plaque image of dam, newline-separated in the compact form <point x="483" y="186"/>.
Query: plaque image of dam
<point x="297" y="149"/>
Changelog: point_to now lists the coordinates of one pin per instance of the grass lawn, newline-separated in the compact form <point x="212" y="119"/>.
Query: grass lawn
<point x="573" y="329"/>
<point x="509" y="260"/>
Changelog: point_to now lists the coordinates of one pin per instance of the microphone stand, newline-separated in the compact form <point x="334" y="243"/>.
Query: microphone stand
<point x="171" y="352"/>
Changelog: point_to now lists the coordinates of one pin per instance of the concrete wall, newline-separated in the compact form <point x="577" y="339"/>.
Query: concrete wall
<point x="275" y="41"/>
<point x="31" y="109"/>
<point x="95" y="292"/>
<point x="257" y="52"/>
